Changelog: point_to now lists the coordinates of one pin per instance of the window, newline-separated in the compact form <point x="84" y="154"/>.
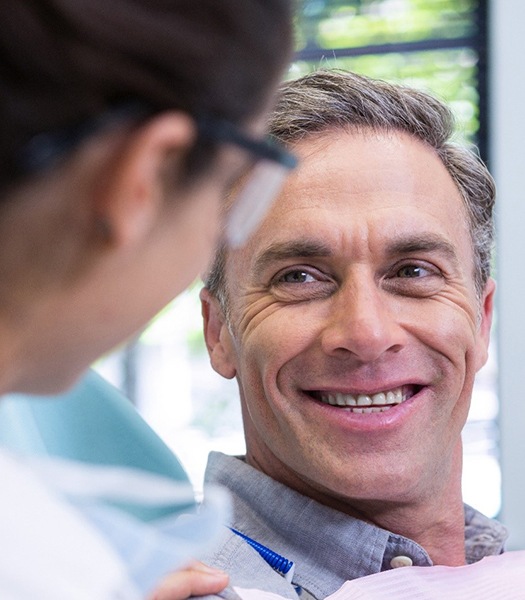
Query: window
<point x="439" y="45"/>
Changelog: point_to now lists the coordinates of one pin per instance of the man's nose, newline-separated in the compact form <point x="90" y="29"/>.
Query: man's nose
<point x="362" y="323"/>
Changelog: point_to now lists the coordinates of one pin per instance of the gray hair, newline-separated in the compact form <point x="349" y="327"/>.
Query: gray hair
<point x="328" y="100"/>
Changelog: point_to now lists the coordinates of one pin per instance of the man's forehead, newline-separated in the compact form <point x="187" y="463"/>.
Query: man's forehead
<point x="402" y="209"/>
<point x="362" y="152"/>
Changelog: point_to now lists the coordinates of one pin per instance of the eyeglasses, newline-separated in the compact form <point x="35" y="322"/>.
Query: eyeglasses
<point x="274" y="163"/>
<point x="265" y="181"/>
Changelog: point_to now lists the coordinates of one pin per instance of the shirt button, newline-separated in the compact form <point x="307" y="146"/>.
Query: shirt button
<point x="401" y="561"/>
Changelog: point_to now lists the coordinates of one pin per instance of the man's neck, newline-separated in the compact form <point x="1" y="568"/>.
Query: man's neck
<point x="434" y="518"/>
<point x="438" y="527"/>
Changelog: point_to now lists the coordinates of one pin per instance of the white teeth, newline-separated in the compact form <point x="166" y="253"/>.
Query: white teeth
<point x="364" y="403"/>
<point x="346" y="400"/>
<point x="380" y="399"/>
<point x="369" y="409"/>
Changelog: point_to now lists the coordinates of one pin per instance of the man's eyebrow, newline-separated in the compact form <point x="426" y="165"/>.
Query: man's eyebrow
<point x="428" y="242"/>
<point x="423" y="243"/>
<point x="291" y="249"/>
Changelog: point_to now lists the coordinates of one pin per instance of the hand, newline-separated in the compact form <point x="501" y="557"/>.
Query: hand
<point x="197" y="579"/>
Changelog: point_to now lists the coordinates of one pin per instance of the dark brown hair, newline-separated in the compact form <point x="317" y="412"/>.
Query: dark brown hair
<point x="65" y="61"/>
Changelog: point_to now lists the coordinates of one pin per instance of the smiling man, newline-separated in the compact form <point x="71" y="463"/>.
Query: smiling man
<point x="355" y="320"/>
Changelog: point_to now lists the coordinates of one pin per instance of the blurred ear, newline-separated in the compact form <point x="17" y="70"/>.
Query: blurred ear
<point x="217" y="336"/>
<point x="130" y="199"/>
<point x="486" y="312"/>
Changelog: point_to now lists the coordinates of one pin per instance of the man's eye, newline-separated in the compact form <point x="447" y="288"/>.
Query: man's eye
<point x="302" y="284"/>
<point x="415" y="279"/>
<point x="297" y="276"/>
<point x="412" y="272"/>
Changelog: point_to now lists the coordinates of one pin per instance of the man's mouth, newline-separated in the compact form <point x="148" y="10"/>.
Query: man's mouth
<point x="368" y="403"/>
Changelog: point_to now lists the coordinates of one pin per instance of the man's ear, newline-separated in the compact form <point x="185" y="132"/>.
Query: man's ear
<point x="217" y="336"/>
<point x="130" y="198"/>
<point x="486" y="313"/>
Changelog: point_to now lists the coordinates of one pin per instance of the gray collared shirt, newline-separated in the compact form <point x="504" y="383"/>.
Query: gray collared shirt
<point x="327" y="546"/>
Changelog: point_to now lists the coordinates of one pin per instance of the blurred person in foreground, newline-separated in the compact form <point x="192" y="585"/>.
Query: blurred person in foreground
<point x="355" y="321"/>
<point x="123" y="125"/>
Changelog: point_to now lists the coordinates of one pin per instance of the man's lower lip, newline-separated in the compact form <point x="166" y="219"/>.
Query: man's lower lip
<point x="346" y="420"/>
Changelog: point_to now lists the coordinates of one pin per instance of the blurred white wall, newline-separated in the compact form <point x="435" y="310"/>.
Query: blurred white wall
<point x="508" y="166"/>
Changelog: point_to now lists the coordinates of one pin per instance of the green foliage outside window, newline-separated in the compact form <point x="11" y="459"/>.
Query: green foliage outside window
<point x="334" y="24"/>
<point x="326" y="28"/>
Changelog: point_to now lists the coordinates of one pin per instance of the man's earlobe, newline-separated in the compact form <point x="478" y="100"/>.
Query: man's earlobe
<point x="129" y="199"/>
<point x="217" y="336"/>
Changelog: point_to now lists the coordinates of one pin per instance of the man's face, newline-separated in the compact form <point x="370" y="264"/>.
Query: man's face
<point x="355" y="328"/>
